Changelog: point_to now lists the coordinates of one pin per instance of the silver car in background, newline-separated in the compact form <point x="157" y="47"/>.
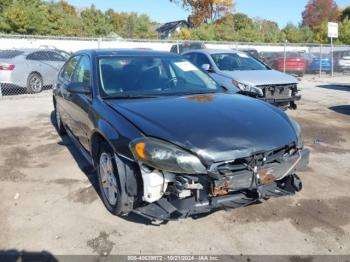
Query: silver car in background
<point x="239" y="72"/>
<point x="32" y="69"/>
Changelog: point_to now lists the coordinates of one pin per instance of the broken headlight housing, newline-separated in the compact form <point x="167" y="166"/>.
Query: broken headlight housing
<point x="248" y="88"/>
<point x="165" y="156"/>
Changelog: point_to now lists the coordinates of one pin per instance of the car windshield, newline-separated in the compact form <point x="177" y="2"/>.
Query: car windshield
<point x="6" y="54"/>
<point x="138" y="76"/>
<point x="237" y="61"/>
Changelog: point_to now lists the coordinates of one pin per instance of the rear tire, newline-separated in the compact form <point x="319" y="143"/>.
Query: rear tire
<point x="59" y="125"/>
<point x="35" y="83"/>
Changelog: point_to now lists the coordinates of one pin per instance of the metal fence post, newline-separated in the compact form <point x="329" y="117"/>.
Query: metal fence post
<point x="0" y="91"/>
<point x="320" y="60"/>
<point x="332" y="63"/>
<point x="285" y="56"/>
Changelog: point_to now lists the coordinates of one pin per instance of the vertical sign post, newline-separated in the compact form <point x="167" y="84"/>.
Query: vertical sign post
<point x="333" y="32"/>
<point x="320" y="60"/>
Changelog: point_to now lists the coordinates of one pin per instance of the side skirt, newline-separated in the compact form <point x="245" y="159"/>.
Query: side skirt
<point x="81" y="149"/>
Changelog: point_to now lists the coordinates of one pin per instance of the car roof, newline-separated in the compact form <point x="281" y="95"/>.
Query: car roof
<point x="27" y="51"/>
<point x="215" y="51"/>
<point x="126" y="52"/>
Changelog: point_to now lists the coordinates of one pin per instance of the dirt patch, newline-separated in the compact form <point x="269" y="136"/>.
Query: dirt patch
<point x="47" y="149"/>
<point x="307" y="214"/>
<point x="12" y="135"/>
<point x="85" y="195"/>
<point x="315" y="131"/>
<point x="101" y="244"/>
<point x="10" y="174"/>
<point x="65" y="181"/>
<point x="308" y="169"/>
<point x="324" y="148"/>
<point x="15" y="159"/>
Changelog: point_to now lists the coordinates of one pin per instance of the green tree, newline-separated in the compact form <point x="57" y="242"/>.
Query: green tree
<point x="241" y="21"/>
<point x="204" y="32"/>
<point x="25" y="17"/>
<point x="63" y="20"/>
<point x="4" y="4"/>
<point x="345" y="13"/>
<point x="95" y="22"/>
<point x="344" y="32"/>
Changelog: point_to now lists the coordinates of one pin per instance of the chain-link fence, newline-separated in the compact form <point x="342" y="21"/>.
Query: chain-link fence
<point x="29" y="65"/>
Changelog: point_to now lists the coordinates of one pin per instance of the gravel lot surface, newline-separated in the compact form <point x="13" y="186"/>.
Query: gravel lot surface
<point x="48" y="200"/>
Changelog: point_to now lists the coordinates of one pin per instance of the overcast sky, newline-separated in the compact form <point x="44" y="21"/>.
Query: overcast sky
<point x="162" y="11"/>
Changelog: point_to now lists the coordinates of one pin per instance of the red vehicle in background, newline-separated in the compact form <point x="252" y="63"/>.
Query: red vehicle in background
<point x="293" y="63"/>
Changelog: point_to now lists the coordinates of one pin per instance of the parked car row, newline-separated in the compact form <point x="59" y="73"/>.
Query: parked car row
<point x="168" y="141"/>
<point x="300" y="63"/>
<point x="30" y="69"/>
<point x="296" y="63"/>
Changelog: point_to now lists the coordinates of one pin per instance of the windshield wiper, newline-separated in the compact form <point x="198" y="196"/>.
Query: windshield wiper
<point x="198" y="93"/>
<point x="130" y="97"/>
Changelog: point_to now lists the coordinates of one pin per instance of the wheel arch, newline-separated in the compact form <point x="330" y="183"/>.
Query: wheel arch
<point x="129" y="177"/>
<point x="102" y="132"/>
<point x="36" y="72"/>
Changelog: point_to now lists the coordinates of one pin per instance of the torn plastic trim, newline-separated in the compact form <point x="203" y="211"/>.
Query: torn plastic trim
<point x="181" y="208"/>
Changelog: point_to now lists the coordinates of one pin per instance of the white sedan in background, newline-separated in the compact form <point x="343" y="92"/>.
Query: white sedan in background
<point x="239" y="72"/>
<point x="32" y="69"/>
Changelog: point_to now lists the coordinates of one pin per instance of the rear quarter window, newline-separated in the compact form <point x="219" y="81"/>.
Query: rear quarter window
<point x="8" y="54"/>
<point x="38" y="56"/>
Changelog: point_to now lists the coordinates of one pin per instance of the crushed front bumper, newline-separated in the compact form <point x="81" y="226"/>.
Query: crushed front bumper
<point x="182" y="208"/>
<point x="284" y="102"/>
<point x="204" y="202"/>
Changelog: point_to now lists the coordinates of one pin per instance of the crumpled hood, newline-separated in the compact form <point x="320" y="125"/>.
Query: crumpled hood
<point x="217" y="127"/>
<point x="260" y="77"/>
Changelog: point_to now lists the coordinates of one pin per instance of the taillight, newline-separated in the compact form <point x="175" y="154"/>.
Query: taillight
<point x="7" y="67"/>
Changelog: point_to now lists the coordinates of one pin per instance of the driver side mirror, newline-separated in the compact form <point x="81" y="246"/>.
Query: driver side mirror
<point x="207" y="68"/>
<point x="78" y="88"/>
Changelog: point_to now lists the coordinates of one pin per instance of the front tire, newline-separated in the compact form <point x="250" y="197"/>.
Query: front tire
<point x="111" y="182"/>
<point x="35" y="83"/>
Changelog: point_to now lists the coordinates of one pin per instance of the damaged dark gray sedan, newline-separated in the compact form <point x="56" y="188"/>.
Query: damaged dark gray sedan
<point x="168" y="142"/>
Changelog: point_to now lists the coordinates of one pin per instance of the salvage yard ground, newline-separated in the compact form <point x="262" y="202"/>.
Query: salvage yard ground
<point x="49" y="201"/>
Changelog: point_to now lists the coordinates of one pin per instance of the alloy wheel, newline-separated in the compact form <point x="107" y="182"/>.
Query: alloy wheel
<point x="109" y="182"/>
<point x="35" y="83"/>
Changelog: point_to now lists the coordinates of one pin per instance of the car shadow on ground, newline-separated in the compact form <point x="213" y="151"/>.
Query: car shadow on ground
<point x="343" y="109"/>
<point x="91" y="173"/>
<point x="14" y="255"/>
<point x="336" y="87"/>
